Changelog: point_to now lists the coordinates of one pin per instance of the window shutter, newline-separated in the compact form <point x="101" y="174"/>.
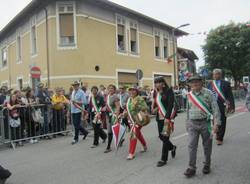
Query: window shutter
<point x="120" y="30"/>
<point x="66" y="25"/>
<point x="157" y="41"/>
<point x="133" y="34"/>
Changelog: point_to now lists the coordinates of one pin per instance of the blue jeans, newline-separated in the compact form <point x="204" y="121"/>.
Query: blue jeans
<point x="76" y="118"/>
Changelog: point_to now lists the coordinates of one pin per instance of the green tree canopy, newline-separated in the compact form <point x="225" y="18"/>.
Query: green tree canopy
<point x="228" y="47"/>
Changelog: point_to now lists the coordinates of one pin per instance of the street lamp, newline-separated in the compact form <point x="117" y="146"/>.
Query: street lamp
<point x="175" y="52"/>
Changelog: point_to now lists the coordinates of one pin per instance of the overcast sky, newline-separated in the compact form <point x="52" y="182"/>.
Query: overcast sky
<point x="203" y="15"/>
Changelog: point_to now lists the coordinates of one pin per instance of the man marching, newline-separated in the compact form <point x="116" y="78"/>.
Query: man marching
<point x="203" y="118"/>
<point x="78" y="99"/>
<point x="123" y="97"/>
<point x="224" y="96"/>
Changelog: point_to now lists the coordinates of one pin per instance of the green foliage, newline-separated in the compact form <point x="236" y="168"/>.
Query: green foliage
<point x="228" y="47"/>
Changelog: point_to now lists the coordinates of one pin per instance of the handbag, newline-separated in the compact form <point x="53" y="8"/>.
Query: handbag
<point x="37" y="116"/>
<point x="14" y="123"/>
<point x="143" y="118"/>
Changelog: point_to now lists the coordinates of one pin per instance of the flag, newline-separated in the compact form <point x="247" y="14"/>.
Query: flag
<point x="248" y="24"/>
<point x="118" y="133"/>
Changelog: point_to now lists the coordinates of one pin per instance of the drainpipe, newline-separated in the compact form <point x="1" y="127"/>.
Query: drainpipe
<point x="47" y="47"/>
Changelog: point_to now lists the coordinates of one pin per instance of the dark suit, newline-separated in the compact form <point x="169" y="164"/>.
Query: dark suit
<point x="227" y="91"/>
<point x="168" y="103"/>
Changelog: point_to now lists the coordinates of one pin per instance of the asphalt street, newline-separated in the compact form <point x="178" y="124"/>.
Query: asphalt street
<point x="56" y="161"/>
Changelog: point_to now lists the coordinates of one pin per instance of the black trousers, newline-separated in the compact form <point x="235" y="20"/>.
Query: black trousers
<point x="58" y="120"/>
<point x="98" y="132"/>
<point x="222" y="129"/>
<point x="76" y="118"/>
<point x="166" y="143"/>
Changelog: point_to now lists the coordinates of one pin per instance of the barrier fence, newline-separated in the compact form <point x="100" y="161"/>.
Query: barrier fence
<point x="31" y="122"/>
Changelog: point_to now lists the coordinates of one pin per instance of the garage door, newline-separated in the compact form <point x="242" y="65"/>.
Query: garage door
<point x="127" y="79"/>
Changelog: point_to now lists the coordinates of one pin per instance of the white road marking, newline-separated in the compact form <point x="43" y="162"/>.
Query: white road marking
<point x="229" y="118"/>
<point x="180" y="136"/>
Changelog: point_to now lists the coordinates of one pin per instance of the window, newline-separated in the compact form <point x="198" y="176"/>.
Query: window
<point x="121" y="34"/>
<point x="66" y="25"/>
<point x="18" y="49"/>
<point x="133" y="37"/>
<point x="33" y="40"/>
<point x="157" y="46"/>
<point x="121" y="38"/>
<point x="4" y="57"/>
<point x="165" y="48"/>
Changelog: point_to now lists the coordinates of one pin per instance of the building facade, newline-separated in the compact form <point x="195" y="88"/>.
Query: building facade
<point x="94" y="41"/>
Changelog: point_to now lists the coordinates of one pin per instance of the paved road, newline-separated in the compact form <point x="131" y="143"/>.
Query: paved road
<point x="58" y="162"/>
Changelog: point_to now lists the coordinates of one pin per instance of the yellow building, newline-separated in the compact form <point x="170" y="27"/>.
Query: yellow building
<point x="95" y="41"/>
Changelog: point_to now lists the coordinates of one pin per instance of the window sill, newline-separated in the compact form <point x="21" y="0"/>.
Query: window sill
<point x="4" y="68"/>
<point x="18" y="61"/>
<point x="34" y="55"/>
<point x="67" y="47"/>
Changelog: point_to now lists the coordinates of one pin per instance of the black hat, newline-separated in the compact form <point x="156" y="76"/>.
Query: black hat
<point x="195" y="77"/>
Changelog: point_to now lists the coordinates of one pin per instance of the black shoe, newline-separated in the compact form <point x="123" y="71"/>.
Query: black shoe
<point x="189" y="173"/>
<point x="206" y="169"/>
<point x="94" y="146"/>
<point x="173" y="152"/>
<point x="107" y="150"/>
<point x="161" y="163"/>
<point x="84" y="137"/>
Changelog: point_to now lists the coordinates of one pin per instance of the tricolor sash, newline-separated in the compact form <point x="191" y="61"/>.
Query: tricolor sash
<point x="218" y="90"/>
<point x="194" y="99"/>
<point x="162" y="109"/>
<point x="93" y="101"/>
<point x="112" y="114"/>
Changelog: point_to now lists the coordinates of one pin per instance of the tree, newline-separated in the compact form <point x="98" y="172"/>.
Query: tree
<point x="228" y="47"/>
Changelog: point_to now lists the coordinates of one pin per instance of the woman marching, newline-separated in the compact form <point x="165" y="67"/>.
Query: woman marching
<point x="136" y="105"/>
<point x="113" y="111"/>
<point x="96" y="109"/>
<point x="164" y="105"/>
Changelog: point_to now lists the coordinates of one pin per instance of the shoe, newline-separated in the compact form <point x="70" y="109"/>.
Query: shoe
<point x="93" y="146"/>
<point x="206" y="169"/>
<point x="32" y="141"/>
<point x="107" y="150"/>
<point x="219" y="143"/>
<point x="74" y="142"/>
<point x="85" y="136"/>
<point x="161" y="163"/>
<point x="189" y="173"/>
<point x="48" y="137"/>
<point x="35" y="140"/>
<point x="130" y="157"/>
<point x="144" y="149"/>
<point x="173" y="152"/>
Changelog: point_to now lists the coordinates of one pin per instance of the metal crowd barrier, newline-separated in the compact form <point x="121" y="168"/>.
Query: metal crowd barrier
<point x="32" y="122"/>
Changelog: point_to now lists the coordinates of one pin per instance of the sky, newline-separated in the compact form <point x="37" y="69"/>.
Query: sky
<point x="202" y="15"/>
